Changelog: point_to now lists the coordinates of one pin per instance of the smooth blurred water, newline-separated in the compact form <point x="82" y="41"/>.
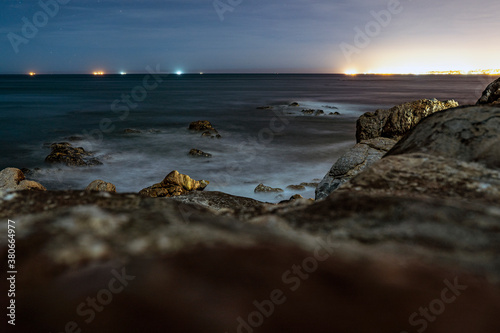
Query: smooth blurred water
<point x="255" y="148"/>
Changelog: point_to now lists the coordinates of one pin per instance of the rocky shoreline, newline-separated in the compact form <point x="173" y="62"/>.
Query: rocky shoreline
<point x="404" y="236"/>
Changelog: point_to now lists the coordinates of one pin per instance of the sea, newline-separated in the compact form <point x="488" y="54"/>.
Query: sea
<point x="277" y="146"/>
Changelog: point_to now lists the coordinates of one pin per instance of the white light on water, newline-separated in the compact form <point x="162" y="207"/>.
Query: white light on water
<point x="123" y="73"/>
<point x="179" y="72"/>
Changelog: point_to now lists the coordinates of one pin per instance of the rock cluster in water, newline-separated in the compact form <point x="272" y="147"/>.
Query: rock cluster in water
<point x="65" y="153"/>
<point x="205" y="127"/>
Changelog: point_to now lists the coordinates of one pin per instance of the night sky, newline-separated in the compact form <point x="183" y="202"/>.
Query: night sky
<point x="302" y="36"/>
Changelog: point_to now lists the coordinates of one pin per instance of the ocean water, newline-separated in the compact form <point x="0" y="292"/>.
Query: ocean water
<point x="278" y="147"/>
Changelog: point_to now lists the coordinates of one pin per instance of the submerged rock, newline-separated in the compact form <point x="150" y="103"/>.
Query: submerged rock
<point x="267" y="107"/>
<point x="201" y="125"/>
<point x="261" y="188"/>
<point x="491" y="95"/>
<point x="174" y="184"/>
<point x="198" y="153"/>
<point x="296" y="187"/>
<point x="13" y="179"/>
<point x="131" y="131"/>
<point x="101" y="186"/>
<point x="395" y="122"/>
<point x="206" y="127"/>
<point x="64" y="152"/>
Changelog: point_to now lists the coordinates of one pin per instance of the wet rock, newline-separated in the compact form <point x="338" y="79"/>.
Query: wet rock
<point x="468" y="134"/>
<point x="174" y="184"/>
<point x="491" y="95"/>
<point x="65" y="153"/>
<point x="308" y="111"/>
<point x="296" y="187"/>
<point x="395" y="122"/>
<point x="131" y="131"/>
<point x="294" y="104"/>
<point x="198" y="153"/>
<point x="13" y="179"/>
<point x="355" y="160"/>
<point x="76" y="138"/>
<point x="267" y="107"/>
<point x="313" y="184"/>
<point x="201" y="126"/>
<point x="206" y="128"/>
<point x="319" y="112"/>
<point x="335" y="113"/>
<point x="101" y="186"/>
<point x="261" y="188"/>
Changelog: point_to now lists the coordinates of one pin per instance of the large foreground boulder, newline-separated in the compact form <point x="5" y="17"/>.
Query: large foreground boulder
<point x="152" y="265"/>
<point x="13" y="179"/>
<point x="395" y="122"/>
<point x="491" y="95"/>
<point x="65" y="153"/>
<point x="174" y="184"/>
<point x="468" y="134"/>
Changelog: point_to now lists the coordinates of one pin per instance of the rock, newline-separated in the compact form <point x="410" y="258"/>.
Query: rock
<point x="296" y="187"/>
<point x="420" y="174"/>
<point x="468" y="134"/>
<point x="76" y="138"/>
<point x="201" y="126"/>
<point x="264" y="107"/>
<point x="164" y="257"/>
<point x="491" y="95"/>
<point x="355" y="160"/>
<point x="131" y="131"/>
<point x="336" y="113"/>
<point x="319" y="112"/>
<point x="313" y="184"/>
<point x="13" y="179"/>
<point x="296" y="196"/>
<point x="395" y="122"/>
<point x="64" y="152"/>
<point x="101" y="186"/>
<point x="26" y="171"/>
<point x="308" y="111"/>
<point x="294" y="104"/>
<point x="198" y="153"/>
<point x="261" y="188"/>
<point x="218" y="200"/>
<point x="174" y="184"/>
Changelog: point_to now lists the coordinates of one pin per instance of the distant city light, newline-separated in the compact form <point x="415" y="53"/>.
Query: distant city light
<point x="32" y="73"/>
<point x="350" y="72"/>
<point x="123" y="73"/>
<point x="98" y="73"/>
<point x="179" y="72"/>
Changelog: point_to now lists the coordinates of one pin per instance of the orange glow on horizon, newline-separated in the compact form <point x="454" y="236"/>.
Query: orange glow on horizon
<point x="351" y="72"/>
<point x="446" y="72"/>
<point x="32" y="73"/>
<point x="98" y="73"/>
